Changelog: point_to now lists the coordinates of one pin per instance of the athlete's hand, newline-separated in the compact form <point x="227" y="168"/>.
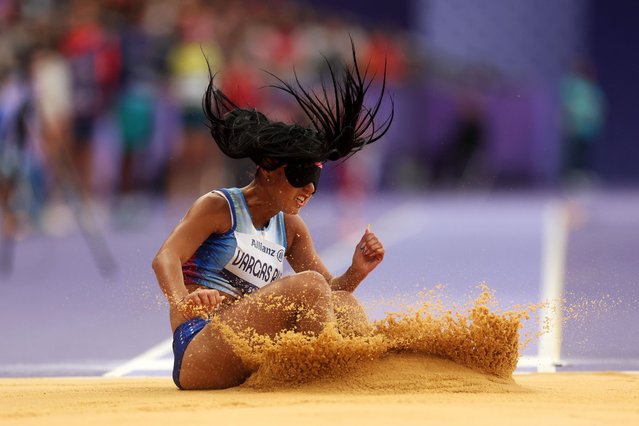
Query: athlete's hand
<point x="368" y="254"/>
<point x="200" y="303"/>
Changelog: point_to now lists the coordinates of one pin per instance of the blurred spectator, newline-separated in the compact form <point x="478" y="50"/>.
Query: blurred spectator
<point x="134" y="108"/>
<point x="15" y="114"/>
<point x="458" y="161"/>
<point x="241" y="83"/>
<point x="382" y="52"/>
<point x="51" y="80"/>
<point x="196" y="165"/>
<point x="94" y="58"/>
<point x="583" y="104"/>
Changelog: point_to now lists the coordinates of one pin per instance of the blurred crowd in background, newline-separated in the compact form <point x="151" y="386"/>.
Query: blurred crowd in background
<point x="101" y="99"/>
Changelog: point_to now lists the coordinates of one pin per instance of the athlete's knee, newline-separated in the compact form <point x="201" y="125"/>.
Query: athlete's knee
<point x="313" y="285"/>
<point x="312" y="277"/>
<point x="351" y="316"/>
<point x="315" y="280"/>
<point x="345" y="301"/>
<point x="345" y="296"/>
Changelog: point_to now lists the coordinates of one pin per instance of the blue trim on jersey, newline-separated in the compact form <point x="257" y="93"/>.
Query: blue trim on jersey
<point x="283" y="232"/>
<point x="229" y="199"/>
<point x="181" y="339"/>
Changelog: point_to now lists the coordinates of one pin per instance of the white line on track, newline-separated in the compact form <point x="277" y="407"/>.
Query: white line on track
<point x="28" y="370"/>
<point x="555" y="243"/>
<point x="142" y="360"/>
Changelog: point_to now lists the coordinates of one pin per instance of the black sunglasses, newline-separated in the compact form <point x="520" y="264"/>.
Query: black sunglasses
<point x="299" y="174"/>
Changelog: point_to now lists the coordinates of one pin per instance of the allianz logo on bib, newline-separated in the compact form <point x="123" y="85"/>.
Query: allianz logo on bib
<point x="256" y="261"/>
<point x="261" y="247"/>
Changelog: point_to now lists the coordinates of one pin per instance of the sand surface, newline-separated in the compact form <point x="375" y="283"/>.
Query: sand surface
<point x="397" y="389"/>
<point x="425" y="364"/>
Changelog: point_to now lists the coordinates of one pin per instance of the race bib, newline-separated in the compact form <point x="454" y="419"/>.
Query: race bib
<point x="256" y="261"/>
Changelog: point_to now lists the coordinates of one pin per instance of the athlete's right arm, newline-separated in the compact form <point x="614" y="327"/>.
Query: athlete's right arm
<point x="208" y="215"/>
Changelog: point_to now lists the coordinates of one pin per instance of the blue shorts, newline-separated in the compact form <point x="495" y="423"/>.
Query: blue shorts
<point x="181" y="339"/>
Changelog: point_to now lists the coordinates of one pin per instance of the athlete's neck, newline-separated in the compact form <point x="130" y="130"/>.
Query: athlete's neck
<point x="259" y="203"/>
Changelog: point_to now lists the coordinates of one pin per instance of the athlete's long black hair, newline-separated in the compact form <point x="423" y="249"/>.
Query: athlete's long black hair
<point x="340" y="123"/>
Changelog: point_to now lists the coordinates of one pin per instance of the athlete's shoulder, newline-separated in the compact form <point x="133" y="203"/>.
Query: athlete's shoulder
<point x="213" y="208"/>
<point x="295" y="228"/>
<point x="213" y="200"/>
<point x="293" y="221"/>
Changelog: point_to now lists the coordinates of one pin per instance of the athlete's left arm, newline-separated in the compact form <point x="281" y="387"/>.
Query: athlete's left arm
<point x="302" y="256"/>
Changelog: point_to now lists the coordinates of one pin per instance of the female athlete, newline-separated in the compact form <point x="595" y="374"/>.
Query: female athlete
<point x="225" y="257"/>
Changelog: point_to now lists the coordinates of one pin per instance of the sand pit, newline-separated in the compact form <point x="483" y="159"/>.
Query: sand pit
<point x="397" y="389"/>
<point x="424" y="365"/>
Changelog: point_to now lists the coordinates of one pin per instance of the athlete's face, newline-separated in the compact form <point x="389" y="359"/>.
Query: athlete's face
<point x="301" y="173"/>
<point x="287" y="197"/>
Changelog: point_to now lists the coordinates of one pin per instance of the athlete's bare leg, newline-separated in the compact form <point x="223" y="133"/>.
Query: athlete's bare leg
<point x="301" y="302"/>
<point x="350" y="315"/>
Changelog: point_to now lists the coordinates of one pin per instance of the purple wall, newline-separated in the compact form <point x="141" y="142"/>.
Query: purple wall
<point x="522" y="39"/>
<point x="614" y="39"/>
<point x="517" y="147"/>
<point x="530" y="45"/>
<point x="373" y="12"/>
